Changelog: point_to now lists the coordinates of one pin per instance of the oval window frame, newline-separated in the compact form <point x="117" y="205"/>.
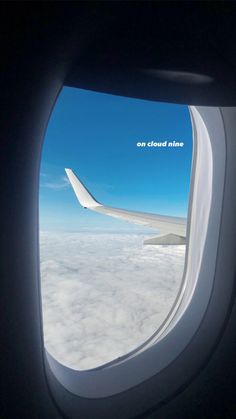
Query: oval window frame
<point x="205" y="207"/>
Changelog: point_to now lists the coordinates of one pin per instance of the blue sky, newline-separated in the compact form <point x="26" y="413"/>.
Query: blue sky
<point x="96" y="135"/>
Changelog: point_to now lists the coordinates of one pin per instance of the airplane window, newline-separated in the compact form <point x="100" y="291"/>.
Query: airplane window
<point x="113" y="224"/>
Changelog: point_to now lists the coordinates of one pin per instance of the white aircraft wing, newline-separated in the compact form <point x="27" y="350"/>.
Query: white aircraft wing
<point x="172" y="229"/>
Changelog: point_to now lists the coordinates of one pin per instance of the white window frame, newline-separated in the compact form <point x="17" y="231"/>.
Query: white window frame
<point x="205" y="206"/>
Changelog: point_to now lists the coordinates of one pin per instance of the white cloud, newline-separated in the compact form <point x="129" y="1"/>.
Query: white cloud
<point x="104" y="293"/>
<point x="62" y="183"/>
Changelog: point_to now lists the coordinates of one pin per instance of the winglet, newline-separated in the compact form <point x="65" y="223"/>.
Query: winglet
<point x="84" y="196"/>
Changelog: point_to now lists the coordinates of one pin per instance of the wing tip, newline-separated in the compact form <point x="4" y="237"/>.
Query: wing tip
<point x="84" y="197"/>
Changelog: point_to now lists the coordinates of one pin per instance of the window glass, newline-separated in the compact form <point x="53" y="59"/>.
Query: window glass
<point x="104" y="291"/>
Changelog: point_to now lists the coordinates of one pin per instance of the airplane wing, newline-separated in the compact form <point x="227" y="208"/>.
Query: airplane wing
<point x="172" y="229"/>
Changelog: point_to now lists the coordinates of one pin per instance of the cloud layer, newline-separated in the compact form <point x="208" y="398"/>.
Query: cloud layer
<point x="104" y="294"/>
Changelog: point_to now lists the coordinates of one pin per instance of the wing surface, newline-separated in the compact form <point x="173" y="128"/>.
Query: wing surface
<point x="164" y="223"/>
